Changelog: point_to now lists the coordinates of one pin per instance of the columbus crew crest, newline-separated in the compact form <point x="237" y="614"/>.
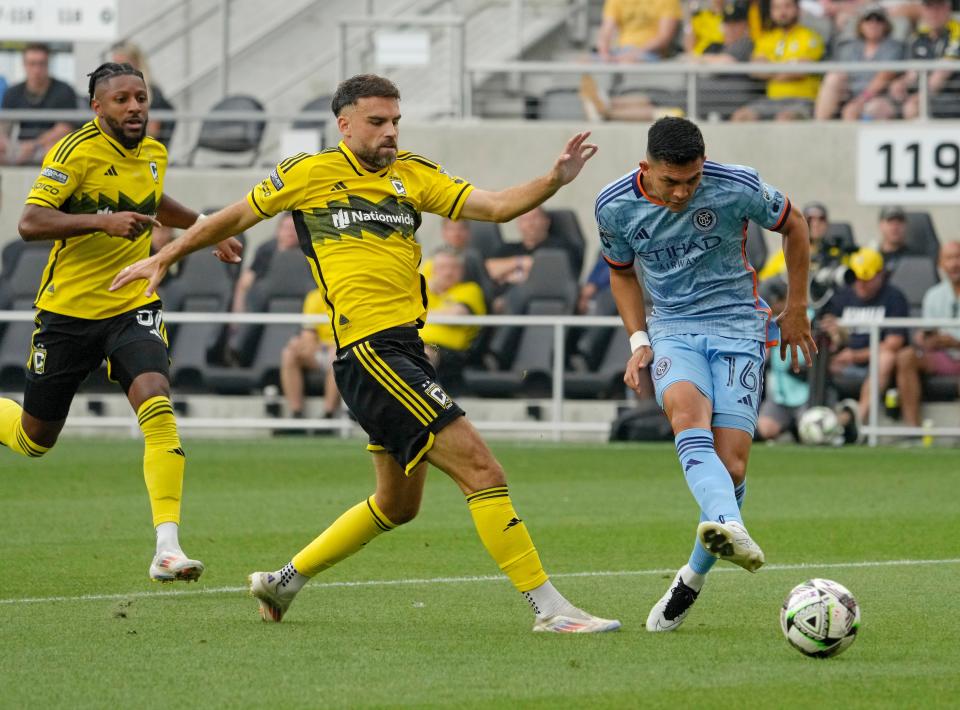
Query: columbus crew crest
<point x="154" y="171"/>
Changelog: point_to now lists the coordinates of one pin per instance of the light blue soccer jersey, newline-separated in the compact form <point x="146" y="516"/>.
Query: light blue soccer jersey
<point x="694" y="263"/>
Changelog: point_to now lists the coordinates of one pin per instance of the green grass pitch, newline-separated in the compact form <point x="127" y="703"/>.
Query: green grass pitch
<point x="421" y="617"/>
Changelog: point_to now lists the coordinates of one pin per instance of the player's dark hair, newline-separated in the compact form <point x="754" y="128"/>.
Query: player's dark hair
<point x="37" y="47"/>
<point x="362" y="86"/>
<point x="108" y="70"/>
<point x="676" y="141"/>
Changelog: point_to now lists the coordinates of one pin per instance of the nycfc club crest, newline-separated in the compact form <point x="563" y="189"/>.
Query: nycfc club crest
<point x="661" y="368"/>
<point x="704" y="219"/>
<point x="154" y="171"/>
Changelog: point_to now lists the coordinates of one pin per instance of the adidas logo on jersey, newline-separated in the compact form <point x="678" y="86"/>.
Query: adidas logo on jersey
<point x="111" y="171"/>
<point x="338" y="186"/>
<point x="747" y="400"/>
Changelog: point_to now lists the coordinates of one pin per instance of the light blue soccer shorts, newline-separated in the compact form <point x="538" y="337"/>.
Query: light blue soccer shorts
<point x="728" y="371"/>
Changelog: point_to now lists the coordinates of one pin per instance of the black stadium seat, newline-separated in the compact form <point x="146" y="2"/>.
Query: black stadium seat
<point x="232" y="136"/>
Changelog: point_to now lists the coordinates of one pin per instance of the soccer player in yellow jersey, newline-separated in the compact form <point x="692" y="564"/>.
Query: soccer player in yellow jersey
<point x="99" y="193"/>
<point x="356" y="208"/>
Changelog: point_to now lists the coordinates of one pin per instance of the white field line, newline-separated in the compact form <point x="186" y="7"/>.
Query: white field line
<point x="462" y="580"/>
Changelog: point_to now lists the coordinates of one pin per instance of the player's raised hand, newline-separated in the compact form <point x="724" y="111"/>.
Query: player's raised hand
<point x="795" y="333"/>
<point x="128" y="225"/>
<point x="640" y="359"/>
<point x="229" y="251"/>
<point x="152" y="270"/>
<point x="575" y="155"/>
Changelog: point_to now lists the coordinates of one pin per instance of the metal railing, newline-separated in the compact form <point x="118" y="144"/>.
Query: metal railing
<point x="555" y="425"/>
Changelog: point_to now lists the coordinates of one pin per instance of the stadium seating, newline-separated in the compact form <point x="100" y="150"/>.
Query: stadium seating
<point x="922" y="236"/>
<point x="914" y="275"/>
<point x="232" y="137"/>
<point x="564" y="226"/>
<point x="485" y="237"/>
<point x="561" y="104"/>
<point x="321" y="103"/>
<point x="21" y="289"/>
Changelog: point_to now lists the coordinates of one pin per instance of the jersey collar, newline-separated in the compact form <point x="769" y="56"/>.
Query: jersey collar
<point x="114" y="144"/>
<point x="356" y="165"/>
<point x="638" y="185"/>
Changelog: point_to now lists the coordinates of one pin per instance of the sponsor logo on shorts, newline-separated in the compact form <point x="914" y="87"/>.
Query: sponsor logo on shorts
<point x="704" y="219"/>
<point x="661" y="368"/>
<point x="55" y="175"/>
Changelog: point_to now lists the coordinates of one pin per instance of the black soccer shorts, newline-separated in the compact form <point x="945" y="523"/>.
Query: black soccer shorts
<point x="64" y="350"/>
<point x="390" y="386"/>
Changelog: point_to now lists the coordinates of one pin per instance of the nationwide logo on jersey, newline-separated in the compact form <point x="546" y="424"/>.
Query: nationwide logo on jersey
<point x="85" y="204"/>
<point x="155" y="171"/>
<point x="704" y="219"/>
<point x="398" y="186"/>
<point x="55" y="175"/>
<point x="356" y="216"/>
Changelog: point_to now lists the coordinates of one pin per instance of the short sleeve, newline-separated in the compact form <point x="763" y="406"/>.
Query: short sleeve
<point x="614" y="249"/>
<point x="813" y="49"/>
<point x="443" y="194"/>
<point x="767" y="206"/>
<point x="282" y="190"/>
<point x="611" y="10"/>
<point x="672" y="9"/>
<point x="56" y="181"/>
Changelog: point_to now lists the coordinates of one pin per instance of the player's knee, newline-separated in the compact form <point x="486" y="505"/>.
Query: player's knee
<point x="401" y="512"/>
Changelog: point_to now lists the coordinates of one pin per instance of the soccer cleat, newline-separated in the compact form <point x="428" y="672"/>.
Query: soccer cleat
<point x="673" y="607"/>
<point x="265" y="588"/>
<point x="730" y="541"/>
<point x="576" y="621"/>
<point x="175" y="567"/>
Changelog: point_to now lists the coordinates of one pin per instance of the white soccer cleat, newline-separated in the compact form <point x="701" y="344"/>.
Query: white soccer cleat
<point x="575" y="621"/>
<point x="175" y="567"/>
<point x="730" y="541"/>
<point x="265" y="588"/>
<point x="673" y="607"/>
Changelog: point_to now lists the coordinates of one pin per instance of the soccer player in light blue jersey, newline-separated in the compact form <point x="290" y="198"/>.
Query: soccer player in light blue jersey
<point x="681" y="221"/>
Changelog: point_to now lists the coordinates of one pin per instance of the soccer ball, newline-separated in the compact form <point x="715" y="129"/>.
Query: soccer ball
<point x="818" y="426"/>
<point x="820" y="618"/>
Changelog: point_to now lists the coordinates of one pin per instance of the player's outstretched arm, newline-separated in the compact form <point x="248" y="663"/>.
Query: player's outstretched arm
<point x="793" y="321"/>
<point x="45" y="223"/>
<point x="229" y="221"/>
<point x="628" y="296"/>
<point x="504" y="205"/>
<point x="173" y="214"/>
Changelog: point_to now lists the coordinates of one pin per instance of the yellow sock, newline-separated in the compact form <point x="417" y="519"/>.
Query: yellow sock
<point x="346" y="535"/>
<point x="506" y="537"/>
<point x="12" y="434"/>
<point x="163" y="459"/>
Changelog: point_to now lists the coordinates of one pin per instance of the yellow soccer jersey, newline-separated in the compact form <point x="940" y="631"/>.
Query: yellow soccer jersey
<point x="314" y="305"/>
<point x="454" y="337"/>
<point x="357" y="229"/>
<point x="87" y="172"/>
<point x="797" y="44"/>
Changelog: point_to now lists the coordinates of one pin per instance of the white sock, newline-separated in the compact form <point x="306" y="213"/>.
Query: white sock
<point x="290" y="579"/>
<point x="692" y="579"/>
<point x="546" y="601"/>
<point x="167" y="540"/>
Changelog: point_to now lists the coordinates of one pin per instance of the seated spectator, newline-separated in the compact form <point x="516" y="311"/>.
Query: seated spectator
<point x="284" y="239"/>
<point x="936" y="351"/>
<point x="853" y="94"/>
<point x="818" y="223"/>
<point x="868" y="299"/>
<point x="723" y="93"/>
<point x="892" y="242"/>
<point x="449" y="294"/>
<point x="789" y="96"/>
<point x="456" y="235"/>
<point x="702" y="28"/>
<point x="314" y="348"/>
<point x="38" y="91"/>
<point x="638" y="30"/>
<point x="129" y="53"/>
<point x="596" y="283"/>
<point x="937" y="36"/>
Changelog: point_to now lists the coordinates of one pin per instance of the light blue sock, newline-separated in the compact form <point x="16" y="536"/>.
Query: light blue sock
<point x="707" y="477"/>
<point x="702" y="561"/>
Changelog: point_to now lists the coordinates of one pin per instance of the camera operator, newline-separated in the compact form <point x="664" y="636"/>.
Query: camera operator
<point x="825" y="248"/>
<point x="868" y="299"/>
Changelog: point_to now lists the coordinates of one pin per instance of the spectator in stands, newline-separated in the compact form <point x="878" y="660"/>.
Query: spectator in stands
<point x="701" y="26"/>
<point x="638" y="30"/>
<point x="511" y="264"/>
<point x="869" y="298"/>
<point x="313" y="348"/>
<point x="456" y="235"/>
<point x="936" y="351"/>
<point x="892" y="240"/>
<point x="853" y="94"/>
<point x="449" y="294"/>
<point x="38" y="91"/>
<point x="129" y="53"/>
<point x="596" y="283"/>
<point x="284" y="239"/>
<point x="937" y="36"/>
<point x="722" y="94"/>
<point x="789" y="96"/>
<point x="818" y="224"/>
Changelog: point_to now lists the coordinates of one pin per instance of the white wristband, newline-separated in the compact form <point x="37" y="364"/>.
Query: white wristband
<point x="200" y="217"/>
<point x="639" y="340"/>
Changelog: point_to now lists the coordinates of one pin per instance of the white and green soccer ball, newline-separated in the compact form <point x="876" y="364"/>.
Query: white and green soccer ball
<point x="819" y="426"/>
<point x="820" y="618"/>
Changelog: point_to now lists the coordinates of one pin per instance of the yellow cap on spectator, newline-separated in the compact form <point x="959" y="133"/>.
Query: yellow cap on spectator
<point x="866" y="263"/>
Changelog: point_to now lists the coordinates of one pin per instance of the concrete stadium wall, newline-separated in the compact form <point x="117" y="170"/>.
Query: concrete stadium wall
<point x="808" y="161"/>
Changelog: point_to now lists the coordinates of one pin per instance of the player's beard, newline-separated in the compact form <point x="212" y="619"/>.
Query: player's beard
<point x="127" y="141"/>
<point x="377" y="159"/>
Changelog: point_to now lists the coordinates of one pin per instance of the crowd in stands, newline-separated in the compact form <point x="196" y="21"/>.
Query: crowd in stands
<point x="780" y="32"/>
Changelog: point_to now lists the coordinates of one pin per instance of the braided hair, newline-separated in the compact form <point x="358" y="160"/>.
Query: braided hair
<point x="108" y="70"/>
